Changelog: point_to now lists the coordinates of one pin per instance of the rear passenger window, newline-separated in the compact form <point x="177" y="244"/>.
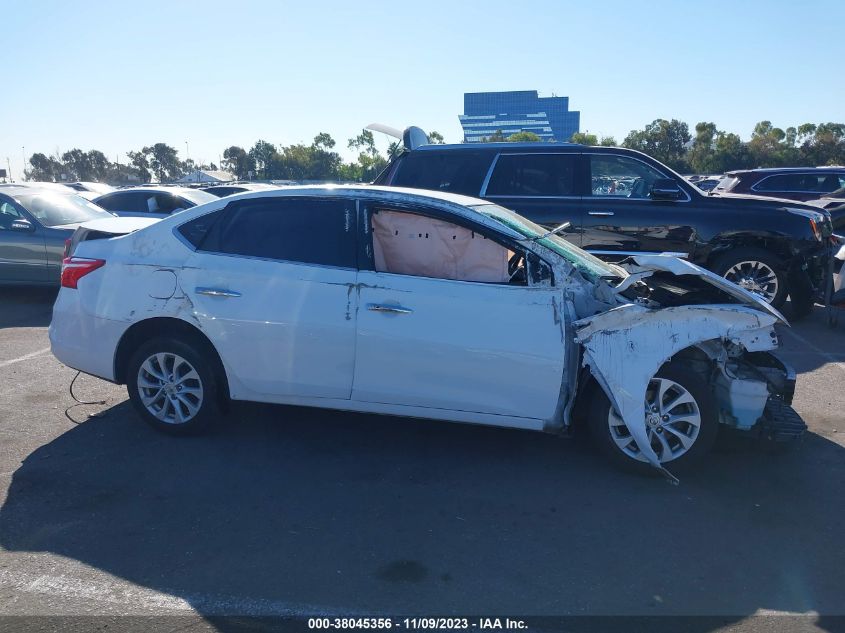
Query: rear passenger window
<point x="131" y="202"/>
<point x="167" y="203"/>
<point x="288" y="229"/>
<point x="533" y="175"/>
<point x="196" y="230"/>
<point x="456" y="172"/>
<point x="782" y="182"/>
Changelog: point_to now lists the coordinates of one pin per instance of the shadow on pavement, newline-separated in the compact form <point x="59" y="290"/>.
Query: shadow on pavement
<point x="301" y="511"/>
<point x="24" y="306"/>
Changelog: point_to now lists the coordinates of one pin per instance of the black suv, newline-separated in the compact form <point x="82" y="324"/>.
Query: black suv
<point x="619" y="202"/>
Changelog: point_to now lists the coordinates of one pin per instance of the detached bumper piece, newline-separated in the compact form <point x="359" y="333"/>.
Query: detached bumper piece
<point x="781" y="423"/>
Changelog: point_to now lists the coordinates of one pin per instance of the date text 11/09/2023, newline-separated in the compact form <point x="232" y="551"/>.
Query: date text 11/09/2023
<point x="430" y="624"/>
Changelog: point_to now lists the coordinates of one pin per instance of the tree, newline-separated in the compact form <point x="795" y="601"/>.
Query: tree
<point x="370" y="160"/>
<point x="435" y="138"/>
<point x="141" y="162"/>
<point x="701" y="154"/>
<point x="583" y="138"/>
<point x="264" y="155"/>
<point x="826" y="146"/>
<point x="664" y="140"/>
<point x="524" y="137"/>
<point x="160" y="159"/>
<point x="767" y="145"/>
<point x="608" y="141"/>
<point x="236" y="161"/>
<point x="323" y="141"/>
<point x="496" y="137"/>
<point x="43" y="168"/>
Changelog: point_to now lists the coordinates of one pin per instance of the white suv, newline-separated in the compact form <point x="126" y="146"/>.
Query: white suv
<point x="421" y="304"/>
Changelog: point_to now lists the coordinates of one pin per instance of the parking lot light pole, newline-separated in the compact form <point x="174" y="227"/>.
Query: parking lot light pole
<point x="23" y="168"/>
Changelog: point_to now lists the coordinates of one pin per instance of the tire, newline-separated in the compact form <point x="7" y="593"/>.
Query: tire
<point x="188" y="403"/>
<point x="609" y="432"/>
<point x="747" y="266"/>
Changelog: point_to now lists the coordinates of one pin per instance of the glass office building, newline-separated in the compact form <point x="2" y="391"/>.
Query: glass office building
<point x="485" y="113"/>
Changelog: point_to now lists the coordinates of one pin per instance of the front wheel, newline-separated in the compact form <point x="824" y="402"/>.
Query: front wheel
<point x="757" y="271"/>
<point x="173" y="387"/>
<point x="680" y="416"/>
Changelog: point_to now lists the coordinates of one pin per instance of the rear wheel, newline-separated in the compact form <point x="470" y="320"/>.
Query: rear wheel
<point x="173" y="387"/>
<point x="757" y="271"/>
<point x="680" y="417"/>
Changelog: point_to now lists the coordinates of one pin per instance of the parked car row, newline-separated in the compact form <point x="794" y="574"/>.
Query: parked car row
<point x="775" y="248"/>
<point x="35" y="223"/>
<point x="426" y="304"/>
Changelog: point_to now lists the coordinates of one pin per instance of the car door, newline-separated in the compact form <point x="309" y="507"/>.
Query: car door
<point x="448" y="331"/>
<point x="620" y="218"/>
<point x="23" y="254"/>
<point x="272" y="285"/>
<point x="544" y="187"/>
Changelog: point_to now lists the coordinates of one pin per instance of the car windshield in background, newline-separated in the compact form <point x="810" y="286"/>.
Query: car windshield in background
<point x="54" y="209"/>
<point x="727" y="183"/>
<point x="592" y="267"/>
<point x="197" y="196"/>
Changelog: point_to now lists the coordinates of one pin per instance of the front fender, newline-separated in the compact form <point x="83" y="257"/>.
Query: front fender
<point x="625" y="347"/>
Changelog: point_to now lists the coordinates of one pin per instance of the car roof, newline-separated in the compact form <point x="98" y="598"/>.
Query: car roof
<point x="155" y="189"/>
<point x="379" y="191"/>
<point x="772" y="170"/>
<point x="522" y="147"/>
<point x="19" y="190"/>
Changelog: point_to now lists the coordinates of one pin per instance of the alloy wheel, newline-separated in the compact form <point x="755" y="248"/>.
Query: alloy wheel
<point x="756" y="277"/>
<point x="673" y="422"/>
<point x="170" y="388"/>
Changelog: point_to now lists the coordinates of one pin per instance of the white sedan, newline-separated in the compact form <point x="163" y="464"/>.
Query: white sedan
<point x="412" y="303"/>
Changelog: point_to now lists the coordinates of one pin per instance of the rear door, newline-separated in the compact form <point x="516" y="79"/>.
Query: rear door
<point x="542" y="187"/>
<point x="620" y="218"/>
<point x="272" y="284"/>
<point x="452" y="342"/>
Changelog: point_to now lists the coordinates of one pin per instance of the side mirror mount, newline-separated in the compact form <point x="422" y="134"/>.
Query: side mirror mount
<point x="22" y="226"/>
<point x="666" y="189"/>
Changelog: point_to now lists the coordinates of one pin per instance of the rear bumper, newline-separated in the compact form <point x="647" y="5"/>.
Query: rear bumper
<point x="81" y="340"/>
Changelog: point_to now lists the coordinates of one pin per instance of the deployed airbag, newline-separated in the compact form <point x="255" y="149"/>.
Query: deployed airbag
<point x="411" y="244"/>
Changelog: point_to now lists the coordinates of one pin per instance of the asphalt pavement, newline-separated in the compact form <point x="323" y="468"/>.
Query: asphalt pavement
<point x="291" y="511"/>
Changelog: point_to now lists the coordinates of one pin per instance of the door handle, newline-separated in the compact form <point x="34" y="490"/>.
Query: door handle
<point x="376" y="307"/>
<point x="217" y="292"/>
<point x="600" y="213"/>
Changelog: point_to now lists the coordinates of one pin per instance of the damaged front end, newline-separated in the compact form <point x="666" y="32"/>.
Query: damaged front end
<point x="672" y="310"/>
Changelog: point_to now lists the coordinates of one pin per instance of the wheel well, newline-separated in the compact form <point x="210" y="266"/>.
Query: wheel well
<point x="589" y="388"/>
<point x="164" y="326"/>
<point x="777" y="248"/>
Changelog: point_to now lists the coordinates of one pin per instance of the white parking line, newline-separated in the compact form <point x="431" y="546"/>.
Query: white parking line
<point x="136" y="599"/>
<point x="20" y="359"/>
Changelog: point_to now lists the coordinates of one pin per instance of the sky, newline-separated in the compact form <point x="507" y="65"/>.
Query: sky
<point x="116" y="76"/>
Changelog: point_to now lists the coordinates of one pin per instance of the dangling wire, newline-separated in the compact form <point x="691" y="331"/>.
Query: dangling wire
<point x="78" y="401"/>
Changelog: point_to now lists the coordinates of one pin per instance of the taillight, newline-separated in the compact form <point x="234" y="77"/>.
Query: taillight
<point x="67" y="249"/>
<point x="75" y="268"/>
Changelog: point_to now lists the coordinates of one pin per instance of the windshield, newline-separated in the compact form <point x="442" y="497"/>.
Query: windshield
<point x="55" y="209"/>
<point x="590" y="266"/>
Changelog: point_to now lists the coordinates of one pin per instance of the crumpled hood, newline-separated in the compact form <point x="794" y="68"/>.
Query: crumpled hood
<point x="678" y="266"/>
